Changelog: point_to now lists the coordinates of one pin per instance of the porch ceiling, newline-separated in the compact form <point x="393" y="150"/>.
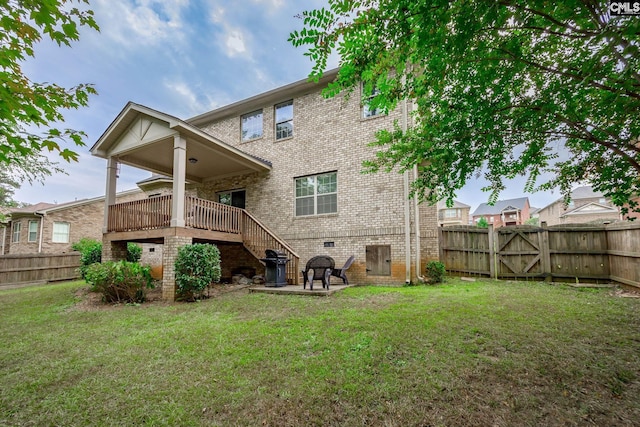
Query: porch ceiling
<point x="142" y="137"/>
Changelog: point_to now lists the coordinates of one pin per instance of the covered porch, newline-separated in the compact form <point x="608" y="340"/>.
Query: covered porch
<point x="162" y="144"/>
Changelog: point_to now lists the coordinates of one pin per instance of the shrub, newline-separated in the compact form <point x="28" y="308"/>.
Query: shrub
<point x="120" y="281"/>
<point x="134" y="252"/>
<point x="196" y="267"/>
<point x="435" y="271"/>
<point x="90" y="253"/>
<point x="483" y="223"/>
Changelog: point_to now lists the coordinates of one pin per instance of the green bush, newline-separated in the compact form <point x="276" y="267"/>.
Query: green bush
<point x="483" y="223"/>
<point x="196" y="267"/>
<point x="90" y="253"/>
<point x="435" y="271"/>
<point x="134" y="252"/>
<point x="120" y="281"/>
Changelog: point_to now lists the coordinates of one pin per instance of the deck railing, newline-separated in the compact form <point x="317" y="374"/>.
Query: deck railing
<point x="208" y="215"/>
<point x="257" y="238"/>
<point x="155" y="212"/>
<point x="146" y="214"/>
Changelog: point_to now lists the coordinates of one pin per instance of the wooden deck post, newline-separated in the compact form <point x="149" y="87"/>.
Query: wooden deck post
<point x="179" y="180"/>
<point x="110" y="191"/>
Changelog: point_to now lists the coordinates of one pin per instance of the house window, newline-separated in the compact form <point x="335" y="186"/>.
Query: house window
<point x="251" y="125"/>
<point x="317" y="194"/>
<point x="602" y="200"/>
<point x="284" y="120"/>
<point x="33" y="231"/>
<point x="368" y="111"/>
<point x="235" y="198"/>
<point x="60" y="232"/>
<point x="15" y="238"/>
<point x="451" y="213"/>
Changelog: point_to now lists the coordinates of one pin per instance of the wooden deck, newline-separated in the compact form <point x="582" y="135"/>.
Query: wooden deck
<point x="150" y="220"/>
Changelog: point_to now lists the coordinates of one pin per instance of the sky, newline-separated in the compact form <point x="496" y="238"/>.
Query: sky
<point x="184" y="58"/>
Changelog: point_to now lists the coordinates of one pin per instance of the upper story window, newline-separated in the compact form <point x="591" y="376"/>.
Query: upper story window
<point x="602" y="200"/>
<point x="367" y="110"/>
<point x="60" y="232"/>
<point x="284" y="120"/>
<point x="33" y="231"/>
<point x="451" y="213"/>
<point x="317" y="194"/>
<point x="15" y="237"/>
<point x="251" y="125"/>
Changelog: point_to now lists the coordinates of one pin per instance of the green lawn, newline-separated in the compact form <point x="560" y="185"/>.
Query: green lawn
<point x="483" y="353"/>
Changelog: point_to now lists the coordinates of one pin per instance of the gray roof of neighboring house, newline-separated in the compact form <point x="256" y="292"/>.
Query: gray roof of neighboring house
<point x="585" y="192"/>
<point x="442" y="204"/>
<point x="500" y="205"/>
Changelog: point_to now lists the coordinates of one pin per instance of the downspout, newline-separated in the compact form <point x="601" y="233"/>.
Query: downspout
<point x="41" y="215"/>
<point x="407" y="202"/>
<point x="417" y="231"/>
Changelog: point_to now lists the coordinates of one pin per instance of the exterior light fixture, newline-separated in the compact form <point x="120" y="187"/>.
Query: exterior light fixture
<point x="193" y="160"/>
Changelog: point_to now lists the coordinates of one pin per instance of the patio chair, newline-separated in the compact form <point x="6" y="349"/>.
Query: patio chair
<point x="342" y="272"/>
<point x="318" y="268"/>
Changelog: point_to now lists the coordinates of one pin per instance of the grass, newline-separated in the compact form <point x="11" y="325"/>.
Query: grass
<point x="483" y="353"/>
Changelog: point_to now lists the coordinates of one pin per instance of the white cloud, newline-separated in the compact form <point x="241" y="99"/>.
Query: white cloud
<point x="235" y="43"/>
<point x="146" y="22"/>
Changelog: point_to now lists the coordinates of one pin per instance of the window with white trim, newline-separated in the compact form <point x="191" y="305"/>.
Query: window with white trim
<point x="368" y="111"/>
<point x="60" y="232"/>
<point x="451" y="213"/>
<point x="317" y="194"/>
<point x="251" y="125"/>
<point x="33" y="231"/>
<point x="284" y="120"/>
<point x="16" y="227"/>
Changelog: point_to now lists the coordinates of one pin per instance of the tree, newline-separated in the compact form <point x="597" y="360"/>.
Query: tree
<point x="27" y="105"/>
<point x="483" y="223"/>
<point x="29" y="168"/>
<point x="501" y="88"/>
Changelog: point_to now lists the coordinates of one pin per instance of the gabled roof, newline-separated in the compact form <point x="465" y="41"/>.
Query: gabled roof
<point x="585" y="192"/>
<point x="442" y="204"/>
<point x="500" y="206"/>
<point x="592" y="209"/>
<point x="144" y="138"/>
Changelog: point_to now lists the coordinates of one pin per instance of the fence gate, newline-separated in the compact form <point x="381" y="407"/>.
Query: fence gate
<point x="520" y="252"/>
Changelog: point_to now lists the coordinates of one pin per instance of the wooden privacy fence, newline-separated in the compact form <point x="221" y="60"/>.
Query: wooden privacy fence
<point x="576" y="252"/>
<point x="38" y="268"/>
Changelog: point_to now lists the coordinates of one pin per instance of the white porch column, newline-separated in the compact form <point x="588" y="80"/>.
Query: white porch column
<point x="179" y="180"/>
<point x="110" y="191"/>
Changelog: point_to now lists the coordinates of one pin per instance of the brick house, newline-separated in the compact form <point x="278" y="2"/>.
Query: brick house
<point x="279" y="170"/>
<point x="52" y="228"/>
<point x="458" y="214"/>
<point x="504" y="212"/>
<point x="586" y="206"/>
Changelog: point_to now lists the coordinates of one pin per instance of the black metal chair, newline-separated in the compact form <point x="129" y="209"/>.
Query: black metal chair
<point x="342" y="272"/>
<point x="318" y="268"/>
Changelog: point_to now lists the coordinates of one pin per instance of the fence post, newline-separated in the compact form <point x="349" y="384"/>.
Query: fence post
<point x="440" y="243"/>
<point x="545" y="255"/>
<point x="493" y="271"/>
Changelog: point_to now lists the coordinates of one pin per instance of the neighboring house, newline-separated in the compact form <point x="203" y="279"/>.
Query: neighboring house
<point x="52" y="228"/>
<point x="585" y="206"/>
<point x="458" y="214"/>
<point x="280" y="170"/>
<point x="504" y="212"/>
